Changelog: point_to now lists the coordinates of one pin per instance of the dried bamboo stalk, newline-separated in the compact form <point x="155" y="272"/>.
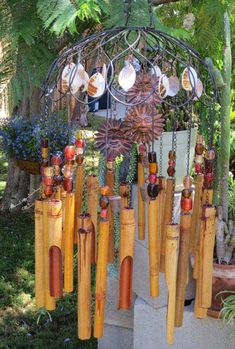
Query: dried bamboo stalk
<point x="78" y="196"/>
<point x="92" y="203"/>
<point x="182" y="271"/>
<point x="110" y="184"/>
<point x="49" y="301"/>
<point x="101" y="275"/>
<point x="194" y="233"/>
<point x="126" y="253"/>
<point x="167" y="216"/>
<point x="141" y="203"/>
<point x="63" y="199"/>
<point x="172" y="239"/>
<point x="207" y="197"/>
<point x="154" y="246"/>
<point x="84" y="276"/>
<point x="55" y="253"/>
<point x="69" y="241"/>
<point x="162" y="194"/>
<point x="39" y="260"/>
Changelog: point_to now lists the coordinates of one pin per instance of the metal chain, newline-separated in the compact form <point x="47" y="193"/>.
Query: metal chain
<point x="153" y="127"/>
<point x="189" y="131"/>
<point x="174" y="148"/>
<point x="161" y="155"/>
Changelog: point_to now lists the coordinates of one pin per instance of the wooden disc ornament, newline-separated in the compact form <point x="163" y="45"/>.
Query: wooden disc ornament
<point x="138" y="123"/>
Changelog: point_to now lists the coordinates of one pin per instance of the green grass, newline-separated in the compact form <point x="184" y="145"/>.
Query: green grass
<point x="18" y="315"/>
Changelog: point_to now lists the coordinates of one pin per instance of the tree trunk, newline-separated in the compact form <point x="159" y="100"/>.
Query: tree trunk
<point x="225" y="101"/>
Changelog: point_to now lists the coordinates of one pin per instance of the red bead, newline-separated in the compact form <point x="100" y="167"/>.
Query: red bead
<point x="58" y="180"/>
<point x="186" y="204"/>
<point x="198" y="168"/>
<point x="68" y="184"/>
<point x="209" y="177"/>
<point x="171" y="171"/>
<point x="48" y="180"/>
<point x="142" y="148"/>
<point x="152" y="178"/>
<point x="56" y="160"/>
<point x="48" y="190"/>
<point x="171" y="163"/>
<point x="104" y="213"/>
<point x="186" y="193"/>
<point x="69" y="152"/>
<point x="80" y="143"/>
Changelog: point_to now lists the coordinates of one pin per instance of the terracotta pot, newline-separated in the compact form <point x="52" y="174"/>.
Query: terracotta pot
<point x="223" y="280"/>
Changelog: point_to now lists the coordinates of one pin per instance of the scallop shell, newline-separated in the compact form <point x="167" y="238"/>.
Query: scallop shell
<point x="163" y="86"/>
<point x="66" y="73"/>
<point x="189" y="79"/>
<point x="174" y="86"/>
<point x="96" y="85"/>
<point x="80" y="81"/>
<point x="198" y="89"/>
<point x="156" y="70"/>
<point x="127" y="77"/>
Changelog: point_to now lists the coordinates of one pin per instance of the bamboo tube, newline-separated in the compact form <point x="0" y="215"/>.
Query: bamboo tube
<point x="58" y="192"/>
<point x="49" y="301"/>
<point x="126" y="253"/>
<point x="63" y="199"/>
<point x="68" y="242"/>
<point x="182" y="271"/>
<point x="39" y="260"/>
<point x="78" y="196"/>
<point x="124" y="192"/>
<point x="154" y="246"/>
<point x="194" y="233"/>
<point x="92" y="203"/>
<point x="207" y="197"/>
<point x="167" y="215"/>
<point x="101" y="274"/>
<point x="141" y="203"/>
<point x="172" y="238"/>
<point x="54" y="242"/>
<point x="208" y="242"/>
<point x="84" y="275"/>
<point x="110" y="184"/>
<point x="162" y="194"/>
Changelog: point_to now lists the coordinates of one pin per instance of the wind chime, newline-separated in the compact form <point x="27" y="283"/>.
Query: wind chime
<point x="147" y="71"/>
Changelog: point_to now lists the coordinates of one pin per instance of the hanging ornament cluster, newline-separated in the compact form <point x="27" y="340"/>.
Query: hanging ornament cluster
<point x="147" y="75"/>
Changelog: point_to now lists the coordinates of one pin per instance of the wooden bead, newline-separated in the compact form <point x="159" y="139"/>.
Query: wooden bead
<point x="104" y="201"/>
<point x="186" y="204"/>
<point x="104" y="213"/>
<point x="56" y="170"/>
<point x="171" y="163"/>
<point x="44" y="143"/>
<point x="44" y="153"/>
<point x="68" y="184"/>
<point x="152" y="190"/>
<point x="80" y="143"/>
<point x="152" y="156"/>
<point x="186" y="193"/>
<point x="110" y="165"/>
<point x="48" y="171"/>
<point x="79" y="159"/>
<point x="48" y="190"/>
<point x="209" y="177"/>
<point x="200" y="139"/>
<point x="104" y="190"/>
<point x="187" y="181"/>
<point x="153" y="168"/>
<point x="210" y="154"/>
<point x="56" y="160"/>
<point x="171" y="155"/>
<point x="69" y="152"/>
<point x="48" y="180"/>
<point x="171" y="171"/>
<point x="152" y="178"/>
<point x="198" y="168"/>
<point x="140" y="158"/>
<point x="142" y="148"/>
<point x="67" y="171"/>
<point x="199" y="159"/>
<point x="199" y="149"/>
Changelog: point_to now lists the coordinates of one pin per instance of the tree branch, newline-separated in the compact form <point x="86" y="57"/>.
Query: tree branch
<point x="161" y="2"/>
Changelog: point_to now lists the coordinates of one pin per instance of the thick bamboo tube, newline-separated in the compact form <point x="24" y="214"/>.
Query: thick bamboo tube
<point x="68" y="242"/>
<point x="39" y="260"/>
<point x="207" y="197"/>
<point x="162" y="194"/>
<point x="141" y="203"/>
<point x="124" y="192"/>
<point x="154" y="246"/>
<point x="101" y="275"/>
<point x="208" y="242"/>
<point x="49" y="301"/>
<point x="92" y="203"/>
<point x="84" y="276"/>
<point x="194" y="233"/>
<point x="126" y="253"/>
<point x="58" y="192"/>
<point x="182" y="271"/>
<point x="63" y="199"/>
<point x="55" y="253"/>
<point x="172" y="239"/>
<point x="167" y="216"/>
<point x="78" y="196"/>
<point x="110" y="184"/>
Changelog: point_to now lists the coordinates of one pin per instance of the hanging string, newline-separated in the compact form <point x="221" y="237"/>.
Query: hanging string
<point x="189" y="132"/>
<point x="174" y="148"/>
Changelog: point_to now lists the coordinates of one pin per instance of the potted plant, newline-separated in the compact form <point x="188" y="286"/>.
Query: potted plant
<point x="224" y="261"/>
<point x="22" y="139"/>
<point x="228" y="310"/>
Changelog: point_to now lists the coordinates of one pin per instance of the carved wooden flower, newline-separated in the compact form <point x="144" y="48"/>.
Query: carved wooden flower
<point x="138" y="123"/>
<point x="145" y="86"/>
<point x="117" y="142"/>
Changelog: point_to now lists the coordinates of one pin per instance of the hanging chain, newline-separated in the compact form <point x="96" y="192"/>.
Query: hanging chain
<point x="127" y="11"/>
<point x="153" y="125"/>
<point x="174" y="148"/>
<point x="161" y="155"/>
<point x="150" y="9"/>
<point x="189" y="131"/>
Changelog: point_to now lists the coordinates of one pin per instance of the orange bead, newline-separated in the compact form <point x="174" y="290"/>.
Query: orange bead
<point x="171" y="155"/>
<point x="153" y="168"/>
<point x="104" y="190"/>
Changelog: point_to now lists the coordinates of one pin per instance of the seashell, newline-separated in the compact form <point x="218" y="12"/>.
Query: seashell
<point x="174" y="86"/>
<point x="156" y="71"/>
<point x="189" y="79"/>
<point x="127" y="77"/>
<point x="66" y="73"/>
<point x="198" y="89"/>
<point x="80" y="81"/>
<point x="96" y="85"/>
<point x="163" y="86"/>
<point x="104" y="71"/>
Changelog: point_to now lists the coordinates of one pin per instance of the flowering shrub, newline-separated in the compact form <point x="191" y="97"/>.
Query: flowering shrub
<point x="22" y="137"/>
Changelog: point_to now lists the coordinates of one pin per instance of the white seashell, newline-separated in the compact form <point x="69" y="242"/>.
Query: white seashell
<point x="67" y="71"/>
<point x="96" y="85"/>
<point x="189" y="79"/>
<point x="80" y="81"/>
<point x="156" y="70"/>
<point x="104" y="71"/>
<point x="127" y="77"/>
<point x="163" y="86"/>
<point x="174" y="86"/>
<point x="198" y="89"/>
